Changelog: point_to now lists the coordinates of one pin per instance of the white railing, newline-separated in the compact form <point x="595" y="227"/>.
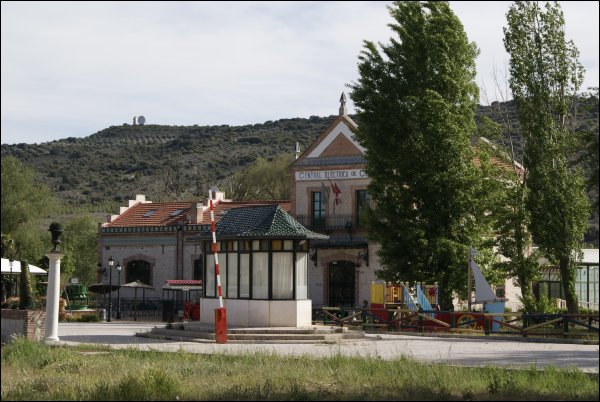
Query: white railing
<point x="561" y="303"/>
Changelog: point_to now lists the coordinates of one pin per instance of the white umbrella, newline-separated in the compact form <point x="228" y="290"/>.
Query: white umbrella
<point x="16" y="268"/>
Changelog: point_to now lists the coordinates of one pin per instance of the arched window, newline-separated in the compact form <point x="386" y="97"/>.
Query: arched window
<point x="139" y="271"/>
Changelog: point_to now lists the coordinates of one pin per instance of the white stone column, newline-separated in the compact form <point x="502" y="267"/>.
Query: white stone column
<point x="53" y="296"/>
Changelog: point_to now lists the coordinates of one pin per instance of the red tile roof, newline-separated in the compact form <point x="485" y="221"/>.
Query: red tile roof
<point x="183" y="282"/>
<point x="502" y="164"/>
<point x="153" y="214"/>
<point x="173" y="213"/>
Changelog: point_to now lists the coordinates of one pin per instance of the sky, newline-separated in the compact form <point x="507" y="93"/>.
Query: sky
<point x="71" y="69"/>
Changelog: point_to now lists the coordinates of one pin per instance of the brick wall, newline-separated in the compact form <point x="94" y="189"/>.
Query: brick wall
<point x="28" y="323"/>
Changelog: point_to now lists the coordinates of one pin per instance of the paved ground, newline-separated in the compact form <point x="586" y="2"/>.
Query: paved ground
<point x="456" y="351"/>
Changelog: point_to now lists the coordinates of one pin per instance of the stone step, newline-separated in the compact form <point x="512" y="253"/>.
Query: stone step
<point x="268" y="330"/>
<point x="254" y="336"/>
<point x="323" y="330"/>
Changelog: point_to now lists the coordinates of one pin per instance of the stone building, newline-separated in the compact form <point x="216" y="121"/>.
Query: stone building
<point x="328" y="195"/>
<point x="151" y="240"/>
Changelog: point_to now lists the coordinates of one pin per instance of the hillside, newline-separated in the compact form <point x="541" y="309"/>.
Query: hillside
<point x="114" y="164"/>
<point x="100" y="172"/>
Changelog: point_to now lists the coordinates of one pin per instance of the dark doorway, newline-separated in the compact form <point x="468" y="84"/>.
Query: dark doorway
<point x="139" y="271"/>
<point x="341" y="284"/>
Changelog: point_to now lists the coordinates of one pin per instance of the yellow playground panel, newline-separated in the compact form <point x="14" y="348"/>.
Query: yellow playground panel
<point x="383" y="293"/>
<point x="386" y="293"/>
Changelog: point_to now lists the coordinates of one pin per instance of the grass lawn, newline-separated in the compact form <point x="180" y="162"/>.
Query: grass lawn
<point x="34" y="371"/>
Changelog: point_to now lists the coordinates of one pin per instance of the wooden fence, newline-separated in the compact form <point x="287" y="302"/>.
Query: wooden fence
<point x="518" y="324"/>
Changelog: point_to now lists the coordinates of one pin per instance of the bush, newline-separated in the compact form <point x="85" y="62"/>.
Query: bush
<point x="542" y="304"/>
<point x="89" y="318"/>
<point x="62" y="309"/>
<point x="11" y="302"/>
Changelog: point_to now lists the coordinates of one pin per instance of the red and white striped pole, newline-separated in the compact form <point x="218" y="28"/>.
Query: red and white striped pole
<point x="220" y="313"/>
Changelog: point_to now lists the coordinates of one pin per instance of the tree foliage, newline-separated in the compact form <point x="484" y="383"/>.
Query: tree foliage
<point x="263" y="180"/>
<point x="512" y="218"/>
<point x="416" y="100"/>
<point x="80" y="245"/>
<point x="545" y="75"/>
<point x="589" y="137"/>
<point x="24" y="197"/>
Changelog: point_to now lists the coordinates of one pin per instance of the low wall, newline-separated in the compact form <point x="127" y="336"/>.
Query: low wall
<point x="259" y="313"/>
<point x="28" y="323"/>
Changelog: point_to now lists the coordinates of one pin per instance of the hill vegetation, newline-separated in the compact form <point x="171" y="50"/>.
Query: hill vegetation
<point x="100" y="172"/>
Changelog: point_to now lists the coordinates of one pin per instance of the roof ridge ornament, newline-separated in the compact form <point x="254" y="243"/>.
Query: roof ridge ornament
<point x="343" y="110"/>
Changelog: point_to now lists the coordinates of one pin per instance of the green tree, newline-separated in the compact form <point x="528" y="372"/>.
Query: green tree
<point x="514" y="239"/>
<point x="589" y="138"/>
<point x="545" y="75"/>
<point x="8" y="246"/>
<point x="511" y="215"/>
<point x="80" y="245"/>
<point x="416" y="101"/>
<point x="265" y="179"/>
<point x="24" y="197"/>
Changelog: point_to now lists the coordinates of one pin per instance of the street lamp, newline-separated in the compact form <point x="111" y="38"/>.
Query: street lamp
<point x="10" y="262"/>
<point x="101" y="272"/>
<point x="119" y="291"/>
<point x="110" y="265"/>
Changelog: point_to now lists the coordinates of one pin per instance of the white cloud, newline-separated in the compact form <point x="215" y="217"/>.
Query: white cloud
<point x="74" y="68"/>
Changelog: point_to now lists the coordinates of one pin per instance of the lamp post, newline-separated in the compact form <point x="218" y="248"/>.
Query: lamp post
<point x="110" y="265"/>
<point x="119" y="291"/>
<point x="101" y="272"/>
<point x="10" y="292"/>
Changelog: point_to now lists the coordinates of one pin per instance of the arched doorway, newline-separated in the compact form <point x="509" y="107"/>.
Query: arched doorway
<point x="341" y="283"/>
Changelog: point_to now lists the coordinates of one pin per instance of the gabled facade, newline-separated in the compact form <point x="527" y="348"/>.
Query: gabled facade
<point x="328" y="195"/>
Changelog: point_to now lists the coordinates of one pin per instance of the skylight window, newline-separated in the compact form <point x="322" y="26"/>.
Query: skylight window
<point x="176" y="212"/>
<point x="150" y="213"/>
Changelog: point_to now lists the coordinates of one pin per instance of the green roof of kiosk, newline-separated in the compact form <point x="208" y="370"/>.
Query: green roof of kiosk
<point x="261" y="221"/>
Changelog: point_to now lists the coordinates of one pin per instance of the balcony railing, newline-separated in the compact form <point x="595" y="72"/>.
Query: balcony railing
<point x="329" y="222"/>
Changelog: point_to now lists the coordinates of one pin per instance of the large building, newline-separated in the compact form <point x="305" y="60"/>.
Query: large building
<point x="156" y="242"/>
<point x="151" y="240"/>
<point x="329" y="193"/>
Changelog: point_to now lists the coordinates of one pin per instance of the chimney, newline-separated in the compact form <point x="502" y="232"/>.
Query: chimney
<point x="196" y="212"/>
<point x="297" y="150"/>
<point x="215" y="195"/>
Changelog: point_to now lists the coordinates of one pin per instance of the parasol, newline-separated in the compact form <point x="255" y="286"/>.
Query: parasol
<point x="136" y="285"/>
<point x="102" y="288"/>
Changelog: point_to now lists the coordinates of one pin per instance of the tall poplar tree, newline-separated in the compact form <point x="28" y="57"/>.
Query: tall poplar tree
<point x="415" y="101"/>
<point x="545" y="75"/>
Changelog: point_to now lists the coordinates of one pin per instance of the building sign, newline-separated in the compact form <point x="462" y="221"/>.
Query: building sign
<point x="331" y="174"/>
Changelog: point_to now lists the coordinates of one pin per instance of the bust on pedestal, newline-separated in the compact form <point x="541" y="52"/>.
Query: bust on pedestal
<point x="53" y="290"/>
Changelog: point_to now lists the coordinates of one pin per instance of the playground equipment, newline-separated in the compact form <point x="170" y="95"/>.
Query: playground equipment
<point x="405" y="305"/>
<point x="484" y="293"/>
<point x="389" y="296"/>
<point x="400" y="306"/>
